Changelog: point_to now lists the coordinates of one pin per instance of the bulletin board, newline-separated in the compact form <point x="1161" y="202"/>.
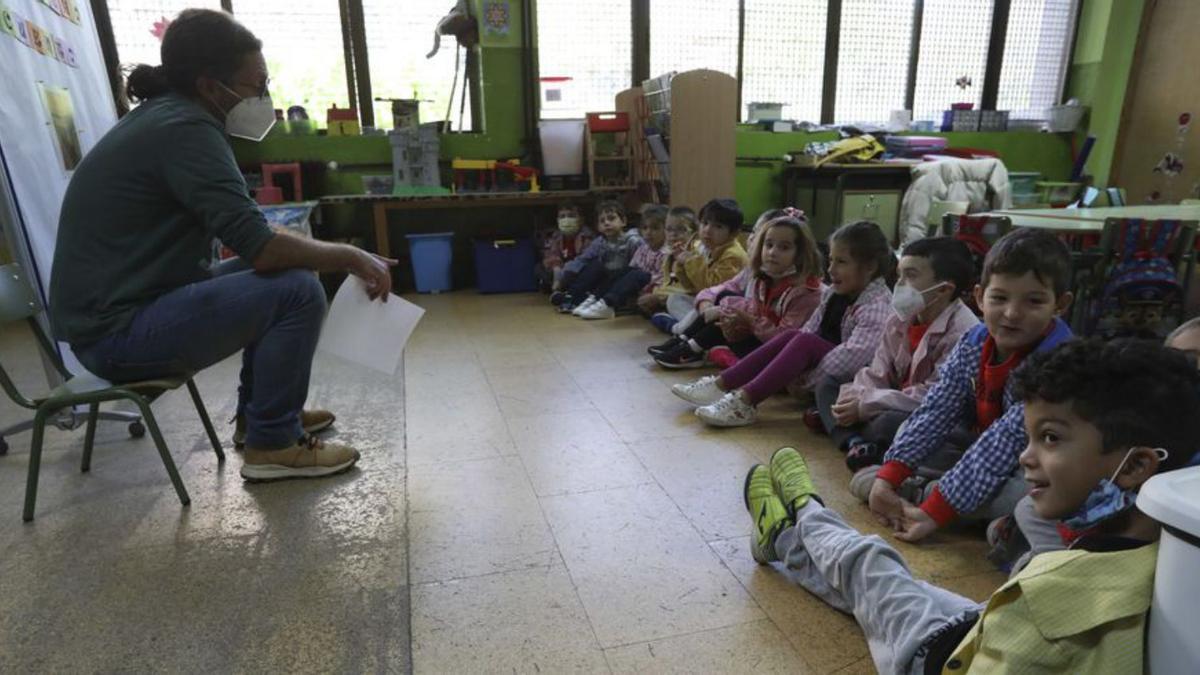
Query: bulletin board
<point x="1158" y="150"/>
<point x="55" y="104"/>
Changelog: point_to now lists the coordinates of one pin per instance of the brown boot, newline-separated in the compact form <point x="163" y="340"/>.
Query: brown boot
<point x="313" y="421"/>
<point x="308" y="458"/>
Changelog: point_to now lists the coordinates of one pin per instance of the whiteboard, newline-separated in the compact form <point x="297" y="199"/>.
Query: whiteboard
<point x="52" y="62"/>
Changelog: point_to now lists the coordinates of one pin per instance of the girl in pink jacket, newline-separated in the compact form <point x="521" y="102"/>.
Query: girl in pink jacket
<point x="779" y="290"/>
<point x="862" y="416"/>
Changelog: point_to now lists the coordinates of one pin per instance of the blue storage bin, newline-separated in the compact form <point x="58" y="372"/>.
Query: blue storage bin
<point x="505" y="265"/>
<point x="431" y="256"/>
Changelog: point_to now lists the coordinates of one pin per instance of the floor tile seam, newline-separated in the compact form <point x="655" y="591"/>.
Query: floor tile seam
<point x="765" y="619"/>
<point x="594" y="490"/>
<point x="567" y="568"/>
<point x="484" y="575"/>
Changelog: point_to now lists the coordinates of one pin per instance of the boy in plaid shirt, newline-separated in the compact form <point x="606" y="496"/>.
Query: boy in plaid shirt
<point x="1022" y="291"/>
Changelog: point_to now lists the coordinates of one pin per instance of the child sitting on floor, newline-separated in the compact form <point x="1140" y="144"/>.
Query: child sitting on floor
<point x="681" y="236"/>
<point x="780" y="289"/>
<point x="929" y="317"/>
<point x="562" y="246"/>
<point x="1101" y="420"/>
<point x="604" y="261"/>
<point x="838" y="339"/>
<point x="1022" y="291"/>
<point x="643" y="269"/>
<point x="718" y="258"/>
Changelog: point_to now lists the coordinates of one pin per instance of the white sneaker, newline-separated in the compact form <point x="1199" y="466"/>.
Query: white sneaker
<point x="598" y="310"/>
<point x="591" y="300"/>
<point x="703" y="391"/>
<point x="729" y="411"/>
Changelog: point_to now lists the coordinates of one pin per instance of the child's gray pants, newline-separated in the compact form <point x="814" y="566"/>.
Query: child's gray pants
<point x="864" y="576"/>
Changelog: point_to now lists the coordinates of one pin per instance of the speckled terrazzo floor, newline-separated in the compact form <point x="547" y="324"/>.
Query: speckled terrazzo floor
<point x="548" y="507"/>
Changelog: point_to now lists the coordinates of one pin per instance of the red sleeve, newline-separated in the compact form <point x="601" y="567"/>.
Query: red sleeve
<point x="938" y="508"/>
<point x="894" y="472"/>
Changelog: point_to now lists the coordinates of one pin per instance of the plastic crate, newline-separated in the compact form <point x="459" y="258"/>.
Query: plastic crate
<point x="505" y="265"/>
<point x="608" y="122"/>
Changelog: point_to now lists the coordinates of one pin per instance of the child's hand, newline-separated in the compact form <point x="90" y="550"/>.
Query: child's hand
<point x="914" y="525"/>
<point x="845" y="411"/>
<point x="711" y="313"/>
<point x="648" y="303"/>
<point x="885" y="504"/>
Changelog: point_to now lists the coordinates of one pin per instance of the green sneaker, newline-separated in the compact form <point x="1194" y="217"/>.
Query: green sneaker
<point x="792" y="482"/>
<point x="770" y="516"/>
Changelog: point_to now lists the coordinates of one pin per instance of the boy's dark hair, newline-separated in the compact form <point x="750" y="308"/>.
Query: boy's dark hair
<point x="568" y="206"/>
<point x="950" y="260"/>
<point x="723" y="212"/>
<point x="611" y="205"/>
<point x="654" y="213"/>
<point x="198" y="42"/>
<point x="1136" y="392"/>
<point x="1029" y="250"/>
<point x="868" y="245"/>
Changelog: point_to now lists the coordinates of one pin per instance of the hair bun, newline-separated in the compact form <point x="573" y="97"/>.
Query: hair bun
<point x="145" y="82"/>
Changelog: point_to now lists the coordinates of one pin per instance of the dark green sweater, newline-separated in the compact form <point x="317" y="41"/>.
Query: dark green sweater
<point x="140" y="214"/>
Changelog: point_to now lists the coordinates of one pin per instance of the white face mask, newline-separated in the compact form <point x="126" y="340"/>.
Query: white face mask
<point x="251" y="118"/>
<point x="568" y="225"/>
<point x="908" y="302"/>
<point x="785" y="273"/>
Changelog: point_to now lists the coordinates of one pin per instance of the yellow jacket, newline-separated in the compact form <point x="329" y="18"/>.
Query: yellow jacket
<point x="1067" y="612"/>
<point x="698" y="272"/>
<point x="670" y="281"/>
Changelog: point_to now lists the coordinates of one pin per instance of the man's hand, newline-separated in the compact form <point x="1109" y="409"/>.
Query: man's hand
<point x="885" y="504"/>
<point x="374" y="270"/>
<point x="845" y="411"/>
<point x="914" y="525"/>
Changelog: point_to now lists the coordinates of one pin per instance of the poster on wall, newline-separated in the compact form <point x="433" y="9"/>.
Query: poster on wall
<point x="55" y="104"/>
<point x="61" y="115"/>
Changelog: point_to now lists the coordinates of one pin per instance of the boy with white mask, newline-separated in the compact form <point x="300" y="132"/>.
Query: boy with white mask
<point x="561" y="246"/>
<point x="863" y="416"/>
<point x="1101" y="419"/>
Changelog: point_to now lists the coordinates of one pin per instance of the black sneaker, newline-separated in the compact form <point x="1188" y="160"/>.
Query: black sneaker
<point x="664" y="347"/>
<point x="557" y="298"/>
<point x="861" y="455"/>
<point x="680" y="358"/>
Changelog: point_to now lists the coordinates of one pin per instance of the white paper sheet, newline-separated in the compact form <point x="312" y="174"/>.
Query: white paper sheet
<point x="370" y="333"/>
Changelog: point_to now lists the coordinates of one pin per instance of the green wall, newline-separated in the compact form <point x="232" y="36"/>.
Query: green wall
<point x="1108" y="29"/>
<point x="1100" y="71"/>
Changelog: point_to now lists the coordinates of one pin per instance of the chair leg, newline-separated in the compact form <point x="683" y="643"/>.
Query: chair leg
<point x="89" y="438"/>
<point x="165" y="454"/>
<point x="208" y="425"/>
<point x="35" y="464"/>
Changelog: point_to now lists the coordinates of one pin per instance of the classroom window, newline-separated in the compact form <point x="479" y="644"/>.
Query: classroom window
<point x="1036" y="50"/>
<point x="784" y="56"/>
<point x="135" y="28"/>
<point x="692" y="34"/>
<point x="954" y="44"/>
<point x="872" y="70"/>
<point x="399" y="35"/>
<point x="590" y="43"/>
<point x="302" y="44"/>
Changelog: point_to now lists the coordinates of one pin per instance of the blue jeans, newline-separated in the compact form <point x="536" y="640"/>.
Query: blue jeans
<point x="275" y="318"/>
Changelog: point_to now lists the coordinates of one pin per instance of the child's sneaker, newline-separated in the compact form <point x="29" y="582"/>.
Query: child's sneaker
<point x="597" y="310"/>
<point x="680" y="357"/>
<point x="791" y="478"/>
<point x="729" y="411"/>
<point x="703" y="391"/>
<point x="767" y="511"/>
<point x="587" y="302"/>
<point x="663" y="322"/>
<point x="664" y="347"/>
<point x="862" y="454"/>
<point x="557" y="298"/>
<point x="722" y="357"/>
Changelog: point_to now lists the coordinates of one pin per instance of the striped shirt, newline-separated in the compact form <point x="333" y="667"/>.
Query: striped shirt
<point x="862" y="331"/>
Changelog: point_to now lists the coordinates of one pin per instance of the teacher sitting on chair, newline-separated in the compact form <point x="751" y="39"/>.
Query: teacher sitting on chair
<point x="131" y="290"/>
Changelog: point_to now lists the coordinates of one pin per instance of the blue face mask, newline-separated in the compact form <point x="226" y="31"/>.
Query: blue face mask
<point x="1106" y="500"/>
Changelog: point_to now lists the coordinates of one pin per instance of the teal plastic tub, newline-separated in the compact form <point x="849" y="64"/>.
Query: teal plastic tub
<point x="431" y="255"/>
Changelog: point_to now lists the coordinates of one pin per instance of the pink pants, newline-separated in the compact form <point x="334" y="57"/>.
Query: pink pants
<point x="770" y="368"/>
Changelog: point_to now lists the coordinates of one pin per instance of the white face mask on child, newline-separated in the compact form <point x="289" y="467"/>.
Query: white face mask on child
<point x="568" y="225"/>
<point x="908" y="302"/>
